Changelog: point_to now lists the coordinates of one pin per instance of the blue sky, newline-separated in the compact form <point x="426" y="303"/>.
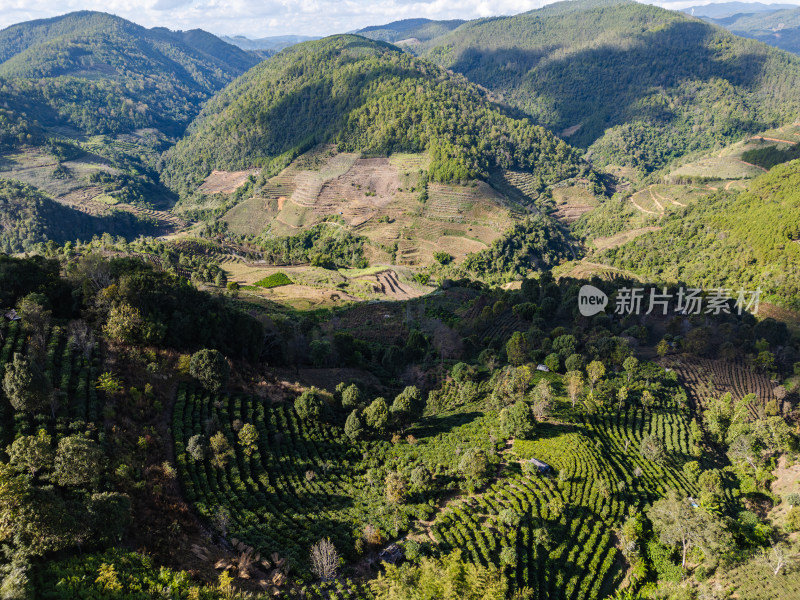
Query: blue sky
<point x="259" y="18"/>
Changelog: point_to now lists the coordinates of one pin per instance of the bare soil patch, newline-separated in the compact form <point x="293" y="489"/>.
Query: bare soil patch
<point x="226" y="182"/>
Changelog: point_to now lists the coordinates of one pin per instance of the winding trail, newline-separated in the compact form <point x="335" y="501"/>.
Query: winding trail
<point x="769" y="139"/>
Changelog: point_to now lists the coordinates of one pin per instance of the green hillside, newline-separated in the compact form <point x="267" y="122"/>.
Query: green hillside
<point x="364" y="96"/>
<point x="725" y="241"/>
<point x="101" y="73"/>
<point x="636" y="85"/>
<point x="28" y="217"/>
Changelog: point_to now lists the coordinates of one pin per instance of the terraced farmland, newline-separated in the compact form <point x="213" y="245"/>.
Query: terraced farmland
<point x="705" y="377"/>
<point x="576" y="557"/>
<point x="273" y="502"/>
<point x="73" y="375"/>
<point x="571" y="202"/>
<point x="379" y="198"/>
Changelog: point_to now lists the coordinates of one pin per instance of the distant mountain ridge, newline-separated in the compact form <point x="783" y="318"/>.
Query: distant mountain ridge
<point x="718" y="10"/>
<point x="421" y="30"/>
<point x="267" y="46"/>
<point x="634" y="84"/>
<point x="780" y="28"/>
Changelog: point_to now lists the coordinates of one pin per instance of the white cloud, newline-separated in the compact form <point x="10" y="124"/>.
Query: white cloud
<point x="257" y="18"/>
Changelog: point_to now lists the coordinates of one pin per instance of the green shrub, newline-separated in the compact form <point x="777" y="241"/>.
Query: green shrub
<point x="275" y="280"/>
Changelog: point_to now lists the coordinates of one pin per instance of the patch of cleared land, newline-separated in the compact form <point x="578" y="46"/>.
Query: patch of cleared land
<point x="226" y="182"/>
<point x="381" y="199"/>
<point x="571" y="202"/>
<point x="718" y="167"/>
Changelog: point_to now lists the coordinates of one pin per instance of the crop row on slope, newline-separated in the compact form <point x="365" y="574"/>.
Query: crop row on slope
<point x="304" y="482"/>
<point x="71" y="372"/>
<point x="564" y="543"/>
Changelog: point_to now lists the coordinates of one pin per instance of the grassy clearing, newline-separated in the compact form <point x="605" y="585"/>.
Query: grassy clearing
<point x="727" y="164"/>
<point x="604" y="243"/>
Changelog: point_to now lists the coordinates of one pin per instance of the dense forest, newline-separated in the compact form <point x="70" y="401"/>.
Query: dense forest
<point x="366" y="96"/>
<point x="634" y="84"/>
<point x="536" y="244"/>
<point x="29" y="217"/>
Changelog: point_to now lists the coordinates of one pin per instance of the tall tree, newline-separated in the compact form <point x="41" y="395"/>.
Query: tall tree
<point x="25" y="385"/>
<point x="32" y="453"/>
<point x="377" y="415"/>
<point x="678" y="523"/>
<point x="324" y="560"/>
<point x="574" y="384"/>
<point x="210" y="368"/>
<point x="596" y="371"/>
<point x="79" y="461"/>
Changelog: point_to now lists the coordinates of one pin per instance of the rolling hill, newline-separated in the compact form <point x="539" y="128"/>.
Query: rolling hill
<point x="634" y="84"/>
<point x="89" y="101"/>
<point x="103" y="74"/>
<point x="352" y="132"/>
<point x="366" y="97"/>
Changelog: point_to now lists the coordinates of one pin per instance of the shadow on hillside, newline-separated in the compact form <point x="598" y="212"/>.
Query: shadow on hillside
<point x="431" y="426"/>
<point x="308" y="115"/>
<point x="609" y="85"/>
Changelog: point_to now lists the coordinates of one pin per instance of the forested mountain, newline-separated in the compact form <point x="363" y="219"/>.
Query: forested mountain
<point x="746" y="240"/>
<point x="100" y="73"/>
<point x="421" y="30"/>
<point x="347" y="355"/>
<point x="635" y="84"/>
<point x="777" y="28"/>
<point x="364" y="96"/>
